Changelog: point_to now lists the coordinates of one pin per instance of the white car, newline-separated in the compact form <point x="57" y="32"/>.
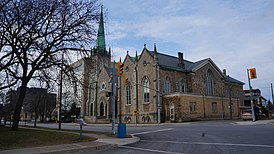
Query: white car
<point x="247" y="114"/>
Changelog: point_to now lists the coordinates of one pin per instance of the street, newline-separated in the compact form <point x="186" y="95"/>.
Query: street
<point x="196" y="137"/>
<point x="205" y="137"/>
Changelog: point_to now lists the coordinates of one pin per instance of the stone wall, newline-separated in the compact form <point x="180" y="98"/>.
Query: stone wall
<point x="203" y="109"/>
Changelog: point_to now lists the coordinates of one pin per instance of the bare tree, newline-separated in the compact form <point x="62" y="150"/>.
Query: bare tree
<point x="34" y="34"/>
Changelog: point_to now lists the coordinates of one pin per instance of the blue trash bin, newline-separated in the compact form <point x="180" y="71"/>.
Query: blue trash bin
<point x="122" y="132"/>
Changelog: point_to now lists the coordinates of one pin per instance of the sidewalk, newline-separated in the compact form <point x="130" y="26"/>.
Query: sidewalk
<point x="116" y="125"/>
<point x="102" y="142"/>
<point x="259" y="122"/>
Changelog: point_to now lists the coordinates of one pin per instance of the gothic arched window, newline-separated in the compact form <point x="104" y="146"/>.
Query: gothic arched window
<point x="102" y="109"/>
<point x="182" y="86"/>
<point x="91" y="109"/>
<point x="209" y="83"/>
<point x="146" y="89"/>
<point x="128" y="94"/>
<point x="167" y="86"/>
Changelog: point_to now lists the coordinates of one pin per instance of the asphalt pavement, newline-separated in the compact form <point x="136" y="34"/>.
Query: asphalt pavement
<point x="105" y="142"/>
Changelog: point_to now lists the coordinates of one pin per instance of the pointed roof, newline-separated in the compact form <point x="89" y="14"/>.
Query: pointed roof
<point x="101" y="43"/>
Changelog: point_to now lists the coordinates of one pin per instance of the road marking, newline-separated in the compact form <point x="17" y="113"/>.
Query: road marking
<point x="150" y="150"/>
<point x="154" y="131"/>
<point x="205" y="143"/>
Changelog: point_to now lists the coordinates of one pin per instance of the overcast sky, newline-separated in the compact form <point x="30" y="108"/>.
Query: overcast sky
<point x="236" y="35"/>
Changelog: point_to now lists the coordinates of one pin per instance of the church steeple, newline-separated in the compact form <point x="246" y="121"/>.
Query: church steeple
<point x="101" y="43"/>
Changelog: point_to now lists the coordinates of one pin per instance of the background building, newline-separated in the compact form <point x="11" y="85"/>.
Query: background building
<point x="37" y="102"/>
<point x="258" y="99"/>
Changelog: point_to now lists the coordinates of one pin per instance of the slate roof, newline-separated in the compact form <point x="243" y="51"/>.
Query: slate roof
<point x="232" y="80"/>
<point x="171" y="62"/>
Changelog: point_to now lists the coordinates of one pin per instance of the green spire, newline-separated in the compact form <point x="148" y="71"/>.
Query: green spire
<point x="101" y="43"/>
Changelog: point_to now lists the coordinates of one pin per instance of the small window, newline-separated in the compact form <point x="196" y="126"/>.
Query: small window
<point x="127" y="69"/>
<point x="145" y="63"/>
<point x="192" y="106"/>
<point x="214" y="107"/>
<point x="103" y="86"/>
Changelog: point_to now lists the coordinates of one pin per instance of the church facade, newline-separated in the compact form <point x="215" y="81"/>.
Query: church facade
<point x="154" y="88"/>
<point x="164" y="88"/>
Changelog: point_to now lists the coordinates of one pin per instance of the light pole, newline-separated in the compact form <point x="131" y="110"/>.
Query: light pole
<point x="60" y="94"/>
<point x="272" y="93"/>
<point x="158" y="94"/>
<point x="230" y="106"/>
<point x="113" y="95"/>
<point x="251" y="97"/>
<point x="158" y="104"/>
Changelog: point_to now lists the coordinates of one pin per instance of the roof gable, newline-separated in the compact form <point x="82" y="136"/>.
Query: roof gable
<point x="204" y="62"/>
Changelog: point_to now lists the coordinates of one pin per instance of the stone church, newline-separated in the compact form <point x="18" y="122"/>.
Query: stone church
<point x="159" y="87"/>
<point x="94" y="74"/>
<point x="164" y="88"/>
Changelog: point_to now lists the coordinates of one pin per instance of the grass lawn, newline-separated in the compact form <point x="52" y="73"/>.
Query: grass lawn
<point x="23" y="138"/>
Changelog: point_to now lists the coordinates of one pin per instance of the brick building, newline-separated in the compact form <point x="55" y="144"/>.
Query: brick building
<point x="37" y="101"/>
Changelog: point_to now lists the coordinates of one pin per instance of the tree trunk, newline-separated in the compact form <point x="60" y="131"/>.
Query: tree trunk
<point x="19" y="104"/>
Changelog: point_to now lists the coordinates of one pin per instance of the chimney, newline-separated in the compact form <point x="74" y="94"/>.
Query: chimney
<point x="224" y="72"/>
<point x="181" y="60"/>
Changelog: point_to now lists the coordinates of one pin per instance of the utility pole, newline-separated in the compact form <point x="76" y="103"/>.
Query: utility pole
<point x="230" y="106"/>
<point x="136" y="95"/>
<point x="272" y="93"/>
<point x="251" y="98"/>
<point x="113" y="92"/>
<point x="120" y="97"/>
<point x="158" y="94"/>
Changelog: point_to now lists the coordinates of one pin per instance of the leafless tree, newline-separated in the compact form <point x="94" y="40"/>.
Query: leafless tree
<point x="35" y="33"/>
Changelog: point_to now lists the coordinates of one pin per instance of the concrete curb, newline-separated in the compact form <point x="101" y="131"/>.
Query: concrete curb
<point x="119" y="141"/>
<point x="259" y="122"/>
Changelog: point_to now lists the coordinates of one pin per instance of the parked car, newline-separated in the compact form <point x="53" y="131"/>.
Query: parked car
<point x="247" y="114"/>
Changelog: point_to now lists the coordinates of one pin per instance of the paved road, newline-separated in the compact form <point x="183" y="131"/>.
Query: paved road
<point x="206" y="137"/>
<point x="197" y="137"/>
